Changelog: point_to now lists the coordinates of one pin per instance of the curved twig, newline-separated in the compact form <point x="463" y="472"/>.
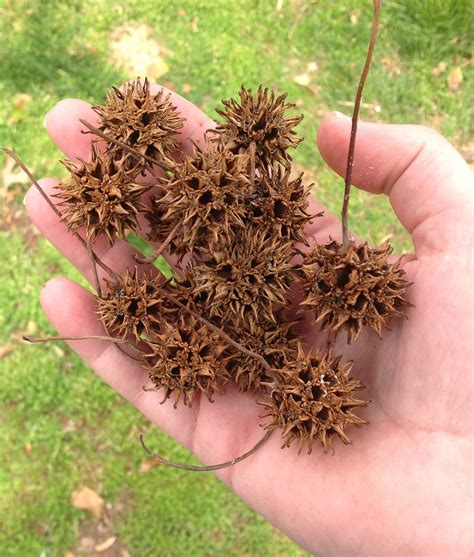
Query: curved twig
<point x="212" y="467"/>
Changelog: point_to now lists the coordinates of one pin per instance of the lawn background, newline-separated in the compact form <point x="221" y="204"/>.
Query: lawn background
<point x="60" y="427"/>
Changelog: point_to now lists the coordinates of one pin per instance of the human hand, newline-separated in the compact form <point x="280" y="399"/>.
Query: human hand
<point x="403" y="487"/>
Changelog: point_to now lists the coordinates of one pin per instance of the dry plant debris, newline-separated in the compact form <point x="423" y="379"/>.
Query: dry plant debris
<point x="234" y="219"/>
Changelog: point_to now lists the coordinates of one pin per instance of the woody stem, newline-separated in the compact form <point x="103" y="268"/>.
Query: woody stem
<point x="355" y="118"/>
<point x="210" y="468"/>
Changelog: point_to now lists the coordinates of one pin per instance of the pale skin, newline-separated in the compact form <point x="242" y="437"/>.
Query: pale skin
<point x="404" y="487"/>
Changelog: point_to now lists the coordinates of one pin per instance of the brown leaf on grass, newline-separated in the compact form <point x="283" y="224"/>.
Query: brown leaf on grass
<point x="302" y="79"/>
<point x="136" y="51"/>
<point x="147" y="465"/>
<point x="454" y="79"/>
<point x="21" y="100"/>
<point x="440" y="68"/>
<point x="194" y="24"/>
<point x="27" y="448"/>
<point x="354" y="17"/>
<point x="186" y="88"/>
<point x="6" y="349"/>
<point x="107" y="544"/>
<point x="391" y="65"/>
<point x="88" y="500"/>
<point x="11" y="174"/>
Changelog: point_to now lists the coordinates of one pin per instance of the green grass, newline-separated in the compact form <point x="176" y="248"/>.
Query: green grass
<point x="80" y="432"/>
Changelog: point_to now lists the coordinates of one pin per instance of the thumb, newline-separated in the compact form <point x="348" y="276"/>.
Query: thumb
<point x="429" y="184"/>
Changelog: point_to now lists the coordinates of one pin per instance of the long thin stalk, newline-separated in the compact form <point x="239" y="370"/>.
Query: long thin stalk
<point x="355" y="118"/>
<point x="210" y="468"/>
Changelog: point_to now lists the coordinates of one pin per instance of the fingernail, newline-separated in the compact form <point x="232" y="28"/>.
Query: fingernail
<point x="341" y="116"/>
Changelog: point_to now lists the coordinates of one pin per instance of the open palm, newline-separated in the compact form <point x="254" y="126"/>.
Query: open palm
<point x="403" y="487"/>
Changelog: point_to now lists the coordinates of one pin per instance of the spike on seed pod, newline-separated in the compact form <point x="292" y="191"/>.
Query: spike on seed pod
<point x="313" y="400"/>
<point x="100" y="196"/>
<point x="147" y="122"/>
<point x="259" y="121"/>
<point x="185" y="359"/>
<point x="135" y="305"/>
<point x="352" y="288"/>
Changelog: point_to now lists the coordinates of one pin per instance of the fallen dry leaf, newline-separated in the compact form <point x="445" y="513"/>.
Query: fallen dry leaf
<point x="27" y="448"/>
<point x="6" y="349"/>
<point x="147" y="465"/>
<point x="302" y="79"/>
<point x="88" y="500"/>
<point x="136" y="51"/>
<point x="109" y="542"/>
<point x="187" y="88"/>
<point x="391" y="65"/>
<point x="181" y="12"/>
<point x="440" y="68"/>
<point x="354" y="18"/>
<point x="31" y="327"/>
<point x="194" y="24"/>
<point x="454" y="79"/>
<point x="312" y="67"/>
<point x="21" y="100"/>
<point x="11" y="174"/>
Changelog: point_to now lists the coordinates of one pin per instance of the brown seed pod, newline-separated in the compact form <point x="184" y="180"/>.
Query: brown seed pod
<point x="259" y="121"/>
<point x="100" y="196"/>
<point x="241" y="280"/>
<point x="185" y="359"/>
<point x="147" y="122"/>
<point x="135" y="305"/>
<point x="352" y="288"/>
<point x="313" y="399"/>
<point x="275" y="342"/>
<point x="207" y="195"/>
<point x="280" y="204"/>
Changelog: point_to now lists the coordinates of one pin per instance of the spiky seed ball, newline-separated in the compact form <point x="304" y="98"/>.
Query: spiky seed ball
<point x="242" y="278"/>
<point x="280" y="204"/>
<point x="100" y="196"/>
<point x="185" y="359"/>
<point x="313" y="400"/>
<point x="352" y="288"/>
<point x="147" y="122"/>
<point x="274" y="341"/>
<point x="259" y="120"/>
<point x="207" y="194"/>
<point x="135" y="304"/>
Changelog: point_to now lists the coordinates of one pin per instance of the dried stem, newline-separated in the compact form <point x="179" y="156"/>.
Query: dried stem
<point x="355" y="118"/>
<point x="53" y="207"/>
<point x="104" y="136"/>
<point x="219" y="332"/>
<point x="210" y="468"/>
<point x="154" y="256"/>
<point x="36" y="340"/>
<point x="94" y="268"/>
